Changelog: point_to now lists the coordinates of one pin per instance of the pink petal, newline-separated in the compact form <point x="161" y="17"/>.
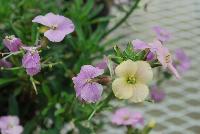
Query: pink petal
<point x="174" y="71"/>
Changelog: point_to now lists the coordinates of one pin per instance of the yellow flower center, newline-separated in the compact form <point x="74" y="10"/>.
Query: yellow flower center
<point x="126" y="117"/>
<point x="10" y="37"/>
<point x="167" y="58"/>
<point x="53" y="27"/>
<point x="131" y="80"/>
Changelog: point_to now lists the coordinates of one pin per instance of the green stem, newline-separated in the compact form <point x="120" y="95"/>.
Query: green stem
<point x="13" y="53"/>
<point x="51" y="64"/>
<point x="101" y="105"/>
<point x="33" y="83"/>
<point x="13" y="68"/>
<point x="123" y="19"/>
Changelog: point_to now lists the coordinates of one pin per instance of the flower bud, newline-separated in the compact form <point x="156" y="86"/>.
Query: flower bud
<point x="104" y="80"/>
<point x="12" y="43"/>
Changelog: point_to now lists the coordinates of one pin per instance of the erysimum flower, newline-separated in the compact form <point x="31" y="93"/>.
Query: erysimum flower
<point x="162" y="34"/>
<point x="165" y="58"/>
<point x="123" y="116"/>
<point x="12" y="43"/>
<point x="31" y="61"/>
<point x="182" y="61"/>
<point x="10" y="125"/>
<point x="86" y="85"/>
<point x="157" y="49"/>
<point x="156" y="94"/>
<point x="131" y="80"/>
<point x="58" y="26"/>
<point x="103" y="64"/>
<point x="141" y="45"/>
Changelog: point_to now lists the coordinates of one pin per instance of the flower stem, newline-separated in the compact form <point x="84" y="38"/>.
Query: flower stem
<point x="123" y="18"/>
<point x="13" y="68"/>
<point x="10" y="54"/>
<point x="33" y="83"/>
<point x="101" y="105"/>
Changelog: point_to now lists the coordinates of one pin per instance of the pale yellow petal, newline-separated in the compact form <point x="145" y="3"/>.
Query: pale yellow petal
<point x="140" y="92"/>
<point x="144" y="72"/>
<point x="126" y="68"/>
<point x="122" y="89"/>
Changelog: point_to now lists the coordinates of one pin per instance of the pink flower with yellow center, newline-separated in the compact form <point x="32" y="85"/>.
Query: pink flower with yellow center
<point x="57" y="26"/>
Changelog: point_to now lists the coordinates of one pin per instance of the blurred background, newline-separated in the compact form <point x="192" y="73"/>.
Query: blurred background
<point x="180" y="111"/>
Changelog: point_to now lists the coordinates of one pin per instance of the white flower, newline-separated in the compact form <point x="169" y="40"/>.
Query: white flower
<point x="131" y="80"/>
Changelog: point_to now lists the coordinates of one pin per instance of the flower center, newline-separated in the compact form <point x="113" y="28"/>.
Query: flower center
<point x="126" y="117"/>
<point x="53" y="27"/>
<point x="88" y="80"/>
<point x="168" y="58"/>
<point x="10" y="125"/>
<point x="10" y="37"/>
<point x="131" y="80"/>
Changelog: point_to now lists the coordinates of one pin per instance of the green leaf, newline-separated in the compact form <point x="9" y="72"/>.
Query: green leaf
<point x="4" y="81"/>
<point x="128" y="52"/>
<point x="13" y="106"/>
<point x="118" y="51"/>
<point x="101" y="19"/>
<point x="59" y="111"/>
<point x="28" y="128"/>
<point x="34" y="33"/>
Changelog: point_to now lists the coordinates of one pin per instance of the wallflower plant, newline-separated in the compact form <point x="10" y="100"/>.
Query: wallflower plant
<point x="70" y="89"/>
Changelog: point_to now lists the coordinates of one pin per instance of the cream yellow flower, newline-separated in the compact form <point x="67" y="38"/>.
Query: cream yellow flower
<point x="131" y="80"/>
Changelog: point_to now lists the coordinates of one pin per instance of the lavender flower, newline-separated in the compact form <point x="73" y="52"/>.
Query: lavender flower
<point x="124" y="117"/>
<point x="103" y="64"/>
<point x="139" y="45"/>
<point x="58" y="26"/>
<point x="156" y="94"/>
<point x="162" y="34"/>
<point x="182" y="61"/>
<point x="12" y="43"/>
<point x="31" y="61"/>
<point x="10" y="125"/>
<point x="85" y="84"/>
<point x="5" y="63"/>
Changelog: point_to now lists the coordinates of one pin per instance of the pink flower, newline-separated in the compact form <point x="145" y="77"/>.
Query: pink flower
<point x="103" y="64"/>
<point x="157" y="94"/>
<point x="162" y="34"/>
<point x="58" y="26"/>
<point x="162" y="53"/>
<point x="164" y="57"/>
<point x="124" y="117"/>
<point x="12" y="43"/>
<point x="86" y="86"/>
<point x="31" y="61"/>
<point x="182" y="61"/>
<point x="10" y="125"/>
<point x="140" y="45"/>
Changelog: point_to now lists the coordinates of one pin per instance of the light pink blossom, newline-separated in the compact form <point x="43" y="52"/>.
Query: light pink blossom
<point x="58" y="26"/>
<point x="124" y="117"/>
<point x="162" y="34"/>
<point x="10" y="125"/>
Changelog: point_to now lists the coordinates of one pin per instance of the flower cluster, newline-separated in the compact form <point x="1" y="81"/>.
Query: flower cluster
<point x="57" y="28"/>
<point x="134" y="70"/>
<point x="10" y="125"/>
